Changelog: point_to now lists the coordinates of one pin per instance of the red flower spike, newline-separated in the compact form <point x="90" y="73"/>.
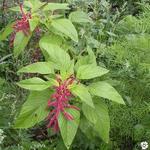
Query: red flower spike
<point x="21" y="25"/>
<point x="59" y="101"/>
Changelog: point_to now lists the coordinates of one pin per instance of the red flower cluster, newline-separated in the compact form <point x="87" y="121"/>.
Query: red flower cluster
<point x="59" y="101"/>
<point x="21" y="25"/>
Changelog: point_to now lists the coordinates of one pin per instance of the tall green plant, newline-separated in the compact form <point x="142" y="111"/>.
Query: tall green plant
<point x="63" y="86"/>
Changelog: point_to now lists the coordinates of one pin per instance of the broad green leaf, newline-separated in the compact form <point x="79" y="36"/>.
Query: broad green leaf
<point x="91" y="56"/>
<point x="105" y="90"/>
<point x="87" y="128"/>
<point x="34" y="109"/>
<point x="35" y="84"/>
<point x="39" y="67"/>
<point x="90" y="71"/>
<point x="68" y="128"/>
<point x="52" y="39"/>
<point x="58" y="56"/>
<point x="66" y="27"/>
<point x="88" y="59"/>
<point x="82" y="60"/>
<point x="8" y="30"/>
<point x="89" y="113"/>
<point x="56" y="6"/>
<point x="92" y="42"/>
<point x="102" y="126"/>
<point x="80" y="17"/>
<point x="20" y="42"/>
<point x="34" y="4"/>
<point x="82" y="92"/>
<point x="99" y="118"/>
<point x="66" y="73"/>
<point x="33" y="23"/>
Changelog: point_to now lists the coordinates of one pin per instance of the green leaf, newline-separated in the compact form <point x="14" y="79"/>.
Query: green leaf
<point x="90" y="71"/>
<point x="35" y="84"/>
<point x="105" y="90"/>
<point x="58" y="56"/>
<point x="82" y="92"/>
<point x="34" y="4"/>
<point x="33" y="23"/>
<point x="102" y="126"/>
<point x="89" y="113"/>
<point x="55" y="6"/>
<point x="88" y="59"/>
<point x="99" y="118"/>
<point x="80" y="17"/>
<point x="39" y="67"/>
<point x="87" y="128"/>
<point x="20" y="42"/>
<point x="66" y="73"/>
<point x="33" y="110"/>
<point x="68" y="128"/>
<point x="66" y="27"/>
<point x="8" y="30"/>
<point x="52" y="39"/>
